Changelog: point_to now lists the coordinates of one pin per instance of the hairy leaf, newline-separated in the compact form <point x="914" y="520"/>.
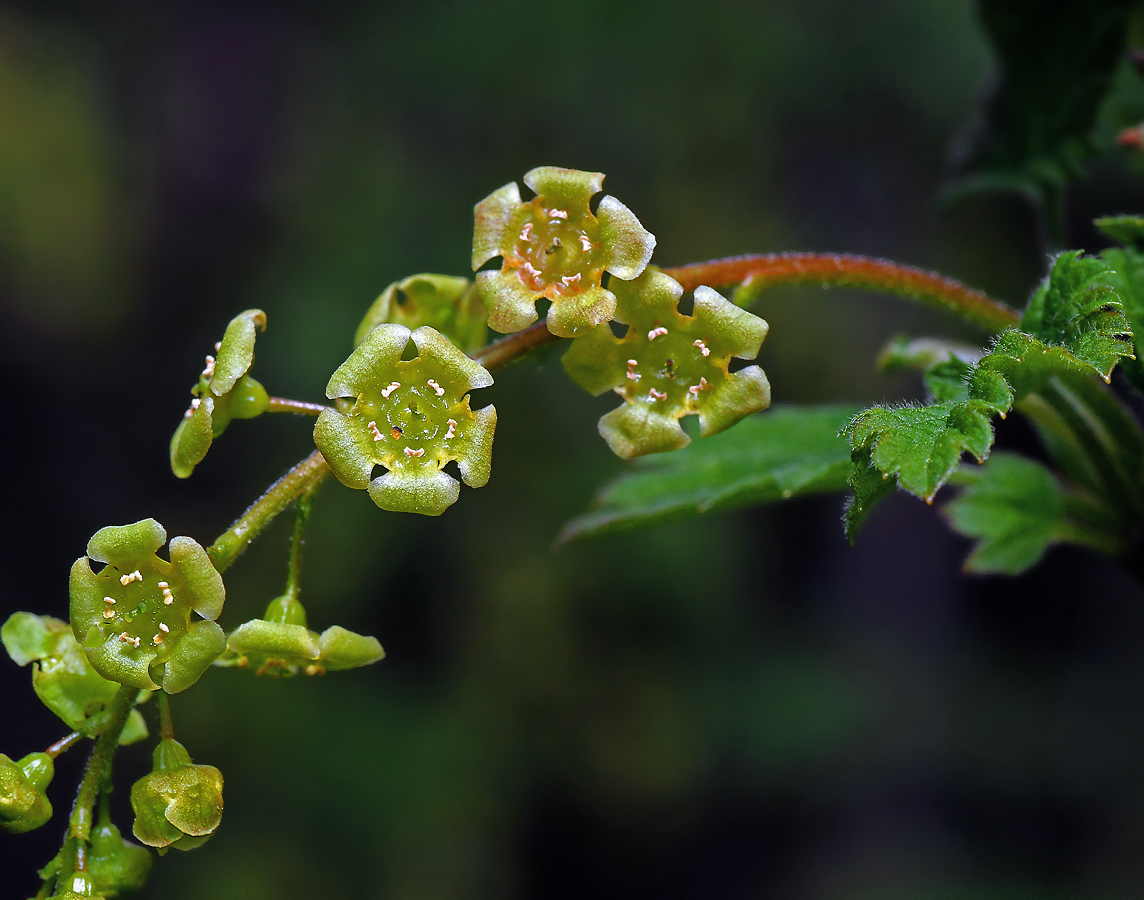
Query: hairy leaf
<point x="1126" y="277"/>
<point x="788" y="452"/>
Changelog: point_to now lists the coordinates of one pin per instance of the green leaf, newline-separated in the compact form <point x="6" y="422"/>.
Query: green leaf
<point x="1126" y="230"/>
<point x="788" y="452"/>
<point x="1056" y="66"/>
<point x="1125" y="275"/>
<point x="870" y="487"/>
<point x="1016" y="509"/>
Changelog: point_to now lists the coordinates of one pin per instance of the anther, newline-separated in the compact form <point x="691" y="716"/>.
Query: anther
<point x="109" y="613"/>
<point x="569" y="280"/>
<point x="656" y="332"/>
<point x="395" y="432"/>
<point x="557" y="214"/>
<point x="163" y="628"/>
<point x="393" y="386"/>
<point x="693" y="390"/>
<point x="526" y="232"/>
<point x="157" y="639"/>
<point x="703" y="348"/>
<point x="653" y="394"/>
<point x="109" y="600"/>
<point x="127" y="579"/>
<point x="437" y="389"/>
<point x="409" y="451"/>
<point x="585" y="243"/>
<point x="377" y="435"/>
<point x="452" y="423"/>
<point x="195" y="403"/>
<point x="208" y="371"/>
<point x="531" y="270"/>
<point x="218" y="346"/>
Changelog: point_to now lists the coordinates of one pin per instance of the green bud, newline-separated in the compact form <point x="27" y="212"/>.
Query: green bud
<point x="134" y="617"/>
<point x="115" y="865"/>
<point x="281" y="644"/>
<point x="224" y="391"/>
<point x="179" y="804"/>
<point x="23" y="804"/>
<point x="669" y="365"/>
<point x="411" y="416"/>
<point x="62" y="676"/>
<point x="444" y="302"/>
<point x="76" y="885"/>
<point x="554" y="247"/>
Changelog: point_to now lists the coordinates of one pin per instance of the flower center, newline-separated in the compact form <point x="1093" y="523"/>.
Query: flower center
<point x="556" y="250"/>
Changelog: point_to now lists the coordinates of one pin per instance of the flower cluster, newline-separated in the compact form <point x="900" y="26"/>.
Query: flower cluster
<point x="668" y="365"/>
<point x="223" y="392"/>
<point x="134" y="618"/>
<point x="554" y="247"/>
<point x="411" y="416"/>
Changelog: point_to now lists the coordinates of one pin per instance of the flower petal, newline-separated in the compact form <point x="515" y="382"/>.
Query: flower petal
<point x="511" y="305"/>
<point x="647" y="299"/>
<point x="192" y="439"/>
<point x="570" y="189"/>
<point x="119" y="661"/>
<point x="199" y="575"/>
<point x="475" y="456"/>
<point x="731" y="331"/>
<point x="379" y="351"/>
<point x="595" y="361"/>
<point x="236" y="352"/>
<point x="634" y="430"/>
<point x="429" y="493"/>
<point x="203" y="643"/>
<point x="127" y="544"/>
<point x="494" y="217"/>
<point x="344" y="448"/>
<point x="28" y="637"/>
<point x="196" y="801"/>
<point x="86" y="595"/>
<point x="572" y="315"/>
<point x="627" y="243"/>
<point x="273" y="639"/>
<point x="462" y="373"/>
<point x="342" y="649"/>
<point x="746" y="391"/>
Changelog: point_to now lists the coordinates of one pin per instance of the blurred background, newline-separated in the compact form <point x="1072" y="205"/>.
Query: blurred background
<point x="733" y="707"/>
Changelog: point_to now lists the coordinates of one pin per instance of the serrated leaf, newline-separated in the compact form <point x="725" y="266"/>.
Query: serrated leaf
<point x="787" y="452"/>
<point x="1016" y="509"/>
<point x="869" y="487"/>
<point x="1125" y="275"/>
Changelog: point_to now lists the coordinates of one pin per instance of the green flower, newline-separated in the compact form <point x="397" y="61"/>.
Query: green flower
<point x="443" y="302"/>
<point x="178" y="804"/>
<point x="554" y="247"/>
<point x="224" y="392"/>
<point x="62" y="677"/>
<point x="281" y="644"/>
<point x="79" y="884"/>
<point x="669" y="365"/>
<point x="23" y="803"/>
<point x="411" y="416"/>
<point x="134" y="617"/>
<point x="116" y="866"/>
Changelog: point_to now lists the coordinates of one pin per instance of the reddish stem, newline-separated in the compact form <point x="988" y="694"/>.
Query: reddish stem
<point x="509" y="348"/>
<point x="760" y="271"/>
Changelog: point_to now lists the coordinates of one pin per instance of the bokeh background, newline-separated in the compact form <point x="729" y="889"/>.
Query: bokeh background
<point x="739" y="706"/>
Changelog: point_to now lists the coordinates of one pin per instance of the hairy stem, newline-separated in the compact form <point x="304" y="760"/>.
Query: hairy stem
<point x="229" y="545"/>
<point x="756" y="272"/>
<point x="294" y="567"/>
<point x="298" y="407"/>
<point x="98" y="765"/>
<point x="64" y="744"/>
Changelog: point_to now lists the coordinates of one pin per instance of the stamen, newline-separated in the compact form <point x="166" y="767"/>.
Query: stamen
<point x="377" y="435"/>
<point x="195" y="403"/>
<point x="209" y="370"/>
<point x="409" y="451"/>
<point x="526" y="232"/>
<point x="656" y="332"/>
<point x="452" y="423"/>
<point x="703" y="348"/>
<point x="694" y="391"/>
<point x="557" y="214"/>
<point x="157" y="639"/>
<point x="653" y="394"/>
<point x="108" y="599"/>
<point x="218" y="346"/>
<point x="585" y="243"/>
<point x="109" y="613"/>
<point x="163" y="628"/>
<point x="569" y="280"/>
<point x="393" y="386"/>
<point x="127" y="579"/>
<point x="531" y="269"/>
<point x="437" y="389"/>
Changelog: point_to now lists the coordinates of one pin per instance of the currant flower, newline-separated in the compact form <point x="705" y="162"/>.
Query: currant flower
<point x="554" y="247"/>
<point x="280" y="644"/>
<point x="79" y="885"/>
<point x="62" y="676"/>
<point x="134" y="617"/>
<point x="669" y="365"/>
<point x="411" y="416"/>
<point x="179" y="804"/>
<point x="23" y="804"/>
<point x="116" y="866"/>
<point x="444" y="302"/>
<point x="224" y="391"/>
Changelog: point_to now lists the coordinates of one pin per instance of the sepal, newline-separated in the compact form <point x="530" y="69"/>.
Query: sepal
<point x="179" y="804"/>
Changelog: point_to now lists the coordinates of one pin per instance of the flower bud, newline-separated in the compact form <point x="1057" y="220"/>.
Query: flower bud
<point x="78" y="885"/>
<point x="117" y="866"/>
<point x="444" y="302"/>
<point x="179" y="804"/>
<point x="23" y="804"/>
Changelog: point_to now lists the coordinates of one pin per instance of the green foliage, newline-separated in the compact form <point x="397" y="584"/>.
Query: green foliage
<point x="223" y="392"/>
<point x="133" y="617"/>
<point x="1126" y="278"/>
<point x="117" y="866"/>
<point x="1017" y="509"/>
<point x="668" y="365"/>
<point x="179" y="804"/>
<point x="23" y="804"/>
<point x="412" y="417"/>
<point x="1055" y="69"/>
<point x="443" y="302"/>
<point x="554" y="247"/>
<point x="789" y="452"/>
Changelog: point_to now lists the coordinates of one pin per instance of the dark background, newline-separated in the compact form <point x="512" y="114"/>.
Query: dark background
<point x="741" y="706"/>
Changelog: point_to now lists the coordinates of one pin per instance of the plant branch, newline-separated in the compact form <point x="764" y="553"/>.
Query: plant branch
<point x="98" y="765"/>
<point x="64" y="744"/>
<point x="229" y="545"/>
<point x="298" y="407"/>
<point x="757" y="272"/>
<point x="508" y="349"/>
<point x="294" y="567"/>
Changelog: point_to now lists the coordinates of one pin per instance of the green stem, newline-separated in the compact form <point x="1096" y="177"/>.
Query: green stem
<point x="166" y="728"/>
<point x="757" y="272"/>
<point x="508" y="349"/>
<point x="298" y="407"/>
<point x="64" y="744"/>
<point x="294" y="567"/>
<point x="229" y="545"/>
<point x="98" y="766"/>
